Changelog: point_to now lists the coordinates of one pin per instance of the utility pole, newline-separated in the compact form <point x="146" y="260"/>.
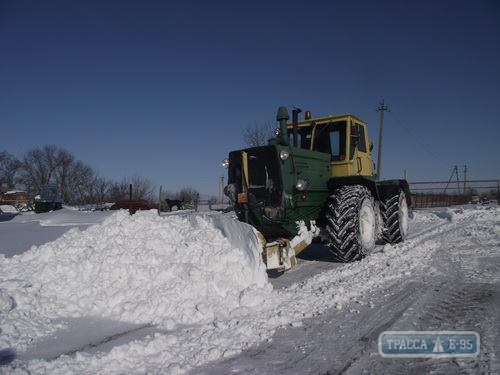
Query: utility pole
<point x="458" y="179"/>
<point x="454" y="172"/>
<point x="465" y="176"/>
<point x="159" y="200"/>
<point x="381" y="108"/>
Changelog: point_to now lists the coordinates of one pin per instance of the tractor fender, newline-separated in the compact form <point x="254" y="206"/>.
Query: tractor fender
<point x="369" y="183"/>
<point x="389" y="188"/>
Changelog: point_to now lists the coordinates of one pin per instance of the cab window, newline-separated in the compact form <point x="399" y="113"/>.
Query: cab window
<point x="330" y="138"/>
<point x="303" y="137"/>
<point x="358" y="140"/>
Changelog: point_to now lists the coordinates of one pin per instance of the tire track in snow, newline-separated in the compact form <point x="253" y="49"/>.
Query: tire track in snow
<point x="460" y="296"/>
<point x="316" y="259"/>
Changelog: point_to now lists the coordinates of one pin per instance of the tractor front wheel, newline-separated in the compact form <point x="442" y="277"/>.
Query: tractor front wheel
<point x="350" y="225"/>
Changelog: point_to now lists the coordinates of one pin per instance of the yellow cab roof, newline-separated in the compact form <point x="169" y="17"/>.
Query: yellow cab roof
<point x="327" y="119"/>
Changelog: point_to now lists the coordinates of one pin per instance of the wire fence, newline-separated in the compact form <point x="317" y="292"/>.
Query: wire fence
<point x="449" y="193"/>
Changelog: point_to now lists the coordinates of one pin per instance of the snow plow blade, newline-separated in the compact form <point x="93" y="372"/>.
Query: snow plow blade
<point x="281" y="253"/>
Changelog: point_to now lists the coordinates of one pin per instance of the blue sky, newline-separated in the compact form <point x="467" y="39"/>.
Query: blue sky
<point x="164" y="89"/>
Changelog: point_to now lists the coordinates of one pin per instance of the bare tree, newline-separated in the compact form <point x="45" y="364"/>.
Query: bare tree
<point x="118" y="191"/>
<point x="100" y="190"/>
<point x="189" y="194"/>
<point x="259" y="133"/>
<point x="9" y="167"/>
<point x="67" y="174"/>
<point x="54" y="165"/>
<point x="38" y="168"/>
<point x="142" y="188"/>
<point x="79" y="183"/>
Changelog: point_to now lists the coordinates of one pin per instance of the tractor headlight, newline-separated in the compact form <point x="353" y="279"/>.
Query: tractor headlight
<point x="284" y="154"/>
<point x="302" y="184"/>
<point x="225" y="163"/>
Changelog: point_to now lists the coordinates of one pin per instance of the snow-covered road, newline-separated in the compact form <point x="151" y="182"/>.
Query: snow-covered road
<point x="194" y="299"/>
<point x="456" y="288"/>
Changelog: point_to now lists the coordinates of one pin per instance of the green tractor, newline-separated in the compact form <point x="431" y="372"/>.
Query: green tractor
<point x="316" y="179"/>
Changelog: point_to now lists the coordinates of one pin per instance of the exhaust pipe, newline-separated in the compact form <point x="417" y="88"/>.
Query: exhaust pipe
<point x="295" y="123"/>
<point x="282" y="117"/>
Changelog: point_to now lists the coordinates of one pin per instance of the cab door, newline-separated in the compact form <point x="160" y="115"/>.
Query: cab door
<point x="359" y="149"/>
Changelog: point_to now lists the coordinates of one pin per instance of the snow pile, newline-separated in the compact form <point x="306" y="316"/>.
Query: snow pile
<point x="65" y="217"/>
<point x="6" y="208"/>
<point x="198" y="279"/>
<point x="144" y="269"/>
<point x="305" y="235"/>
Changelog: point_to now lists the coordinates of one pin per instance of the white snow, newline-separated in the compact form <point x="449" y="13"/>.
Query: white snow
<point x="65" y="217"/>
<point x="7" y="208"/>
<point x="303" y="234"/>
<point x="14" y="192"/>
<point x="142" y="269"/>
<point x="193" y="284"/>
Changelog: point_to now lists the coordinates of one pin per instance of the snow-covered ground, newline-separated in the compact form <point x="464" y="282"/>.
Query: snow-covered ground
<point x="112" y="293"/>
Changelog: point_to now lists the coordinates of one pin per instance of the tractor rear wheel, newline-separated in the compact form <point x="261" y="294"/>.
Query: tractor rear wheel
<point x="395" y="217"/>
<point x="350" y="225"/>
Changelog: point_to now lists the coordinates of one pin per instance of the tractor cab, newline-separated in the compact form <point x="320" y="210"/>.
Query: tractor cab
<point x="344" y="137"/>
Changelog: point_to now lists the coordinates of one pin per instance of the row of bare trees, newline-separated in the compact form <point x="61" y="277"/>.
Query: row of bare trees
<point x="78" y="183"/>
